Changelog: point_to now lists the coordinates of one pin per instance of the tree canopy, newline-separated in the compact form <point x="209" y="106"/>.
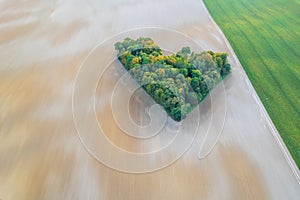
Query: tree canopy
<point x="178" y="82"/>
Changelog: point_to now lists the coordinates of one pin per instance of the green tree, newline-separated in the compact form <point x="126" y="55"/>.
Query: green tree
<point x="184" y="71"/>
<point x="195" y="83"/>
<point x="192" y="98"/>
<point x="196" y="73"/>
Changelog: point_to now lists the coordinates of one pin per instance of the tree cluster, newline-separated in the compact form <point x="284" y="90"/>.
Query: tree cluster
<point x="178" y="82"/>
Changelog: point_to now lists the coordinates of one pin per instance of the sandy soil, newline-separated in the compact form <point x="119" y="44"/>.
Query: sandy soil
<point x="42" y="45"/>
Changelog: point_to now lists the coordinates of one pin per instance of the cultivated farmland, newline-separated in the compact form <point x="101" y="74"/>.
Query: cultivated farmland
<point x="75" y="125"/>
<point x="265" y="36"/>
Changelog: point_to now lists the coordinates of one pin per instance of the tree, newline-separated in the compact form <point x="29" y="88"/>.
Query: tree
<point x="196" y="73"/>
<point x="176" y="113"/>
<point x="184" y="71"/>
<point x="180" y="77"/>
<point x="186" y="50"/>
<point x="195" y="83"/>
<point x="134" y="60"/>
<point x="192" y="98"/>
<point x="159" y="95"/>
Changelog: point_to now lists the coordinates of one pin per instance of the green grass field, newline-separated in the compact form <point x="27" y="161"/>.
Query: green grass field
<point x="265" y="35"/>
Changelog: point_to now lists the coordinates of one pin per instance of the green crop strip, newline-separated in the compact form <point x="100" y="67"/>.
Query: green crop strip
<point x="265" y="36"/>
